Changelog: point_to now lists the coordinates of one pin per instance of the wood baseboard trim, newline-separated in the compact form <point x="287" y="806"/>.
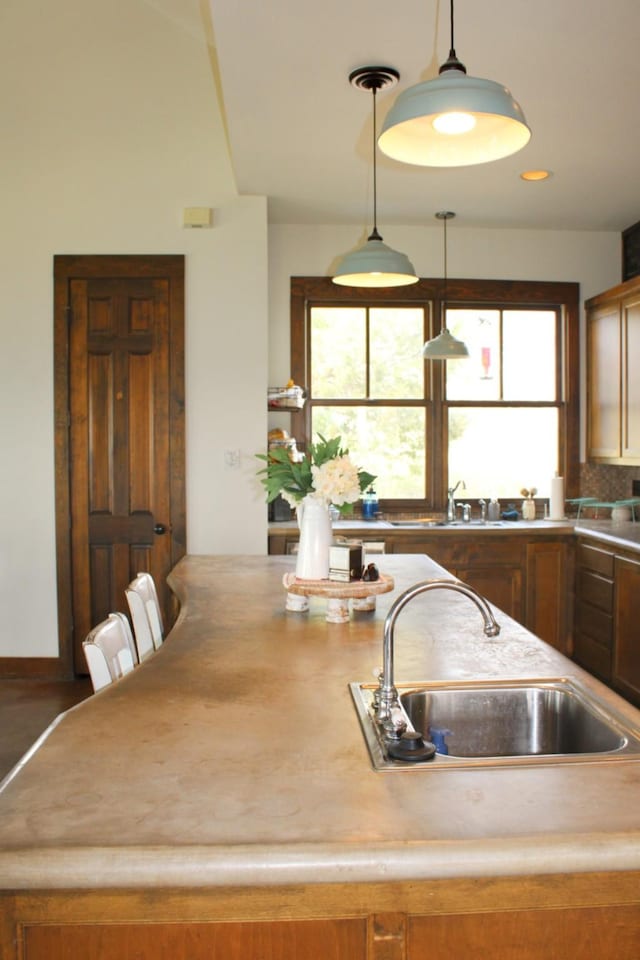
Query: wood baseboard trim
<point x="32" y="668"/>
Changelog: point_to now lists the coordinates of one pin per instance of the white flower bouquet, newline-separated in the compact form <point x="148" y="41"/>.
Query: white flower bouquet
<point x="327" y="474"/>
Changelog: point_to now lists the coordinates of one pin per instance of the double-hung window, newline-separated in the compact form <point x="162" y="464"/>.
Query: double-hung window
<point x="502" y="419"/>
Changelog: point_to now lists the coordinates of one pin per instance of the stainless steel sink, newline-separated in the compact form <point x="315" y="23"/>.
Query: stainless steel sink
<point x="446" y="523"/>
<point x="485" y="723"/>
<point x="418" y="523"/>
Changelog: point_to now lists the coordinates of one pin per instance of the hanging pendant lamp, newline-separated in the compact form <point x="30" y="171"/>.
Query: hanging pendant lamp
<point x="454" y="120"/>
<point x="374" y="264"/>
<point x="445" y="346"/>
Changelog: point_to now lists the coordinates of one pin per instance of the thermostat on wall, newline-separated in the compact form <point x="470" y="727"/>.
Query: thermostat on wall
<point x="196" y="217"/>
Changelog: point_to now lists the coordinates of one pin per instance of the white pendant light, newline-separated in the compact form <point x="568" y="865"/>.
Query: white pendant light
<point x="445" y="346"/>
<point x="374" y="264"/>
<point x="454" y="120"/>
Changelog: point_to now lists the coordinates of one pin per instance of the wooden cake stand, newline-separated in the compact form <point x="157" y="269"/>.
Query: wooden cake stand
<point x="361" y="593"/>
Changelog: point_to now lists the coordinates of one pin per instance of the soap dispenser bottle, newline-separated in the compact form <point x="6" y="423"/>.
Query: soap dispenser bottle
<point x="369" y="504"/>
<point x="493" y="510"/>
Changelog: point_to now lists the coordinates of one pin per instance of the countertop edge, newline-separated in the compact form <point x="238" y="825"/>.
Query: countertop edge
<point x="625" y="534"/>
<point x="281" y="865"/>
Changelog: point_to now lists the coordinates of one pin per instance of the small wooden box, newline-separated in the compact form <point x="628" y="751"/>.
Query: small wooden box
<point x="345" y="561"/>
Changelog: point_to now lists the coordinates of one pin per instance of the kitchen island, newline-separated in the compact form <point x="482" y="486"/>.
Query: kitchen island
<point x="220" y="801"/>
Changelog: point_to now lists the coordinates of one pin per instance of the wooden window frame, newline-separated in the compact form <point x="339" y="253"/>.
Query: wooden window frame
<point x="307" y="292"/>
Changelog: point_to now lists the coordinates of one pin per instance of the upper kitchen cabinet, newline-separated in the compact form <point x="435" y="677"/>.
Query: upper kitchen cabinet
<point x="613" y="393"/>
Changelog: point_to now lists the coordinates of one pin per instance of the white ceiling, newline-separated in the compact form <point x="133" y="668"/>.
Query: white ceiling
<point x="302" y="136"/>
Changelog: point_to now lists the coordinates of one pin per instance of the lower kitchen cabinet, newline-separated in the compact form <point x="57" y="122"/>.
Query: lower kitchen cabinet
<point x="493" y="566"/>
<point x="625" y="672"/>
<point x="594" y="598"/>
<point x="549" y="566"/>
<point x="527" y="577"/>
<point x="607" y="614"/>
<point x="585" y="917"/>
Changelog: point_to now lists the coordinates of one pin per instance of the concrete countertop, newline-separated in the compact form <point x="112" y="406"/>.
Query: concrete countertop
<point x="625" y="534"/>
<point x="376" y="528"/>
<point x="234" y="756"/>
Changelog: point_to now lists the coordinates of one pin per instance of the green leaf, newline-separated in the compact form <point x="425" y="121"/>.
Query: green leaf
<point x="365" y="479"/>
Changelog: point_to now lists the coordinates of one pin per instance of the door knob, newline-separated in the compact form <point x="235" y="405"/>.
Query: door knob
<point x="159" y="528"/>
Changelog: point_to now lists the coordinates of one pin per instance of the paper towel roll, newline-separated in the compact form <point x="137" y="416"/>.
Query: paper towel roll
<point x="556" y="500"/>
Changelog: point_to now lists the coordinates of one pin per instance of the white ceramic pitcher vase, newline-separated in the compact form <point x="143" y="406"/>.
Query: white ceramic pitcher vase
<point x="314" y="522"/>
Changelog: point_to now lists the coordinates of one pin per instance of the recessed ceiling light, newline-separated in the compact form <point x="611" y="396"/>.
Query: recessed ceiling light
<point x="533" y="175"/>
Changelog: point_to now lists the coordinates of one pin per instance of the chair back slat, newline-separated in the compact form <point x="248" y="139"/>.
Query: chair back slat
<point x="109" y="651"/>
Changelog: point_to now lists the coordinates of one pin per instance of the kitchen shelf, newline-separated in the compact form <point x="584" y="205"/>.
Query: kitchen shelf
<point x="286" y="399"/>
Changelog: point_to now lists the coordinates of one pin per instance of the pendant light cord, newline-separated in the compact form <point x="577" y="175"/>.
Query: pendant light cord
<point x="443" y="323"/>
<point x="444" y="220"/>
<point x="373" y="79"/>
<point x="374" y="233"/>
<point x="444" y="215"/>
<point x="452" y="62"/>
<point x="452" y="49"/>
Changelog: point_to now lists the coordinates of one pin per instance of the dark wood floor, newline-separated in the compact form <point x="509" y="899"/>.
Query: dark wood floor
<point x="27" y="707"/>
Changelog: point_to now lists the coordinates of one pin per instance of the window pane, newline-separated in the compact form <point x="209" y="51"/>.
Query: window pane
<point x="529" y="354"/>
<point x="499" y="450"/>
<point x="478" y="377"/>
<point x="386" y="441"/>
<point x="338" y="349"/>
<point x="396" y="341"/>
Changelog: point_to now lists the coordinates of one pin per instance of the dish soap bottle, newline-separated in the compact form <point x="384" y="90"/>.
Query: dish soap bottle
<point x="493" y="510"/>
<point x="369" y="504"/>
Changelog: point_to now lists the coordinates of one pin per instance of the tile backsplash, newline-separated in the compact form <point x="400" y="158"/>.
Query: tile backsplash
<point x="607" y="481"/>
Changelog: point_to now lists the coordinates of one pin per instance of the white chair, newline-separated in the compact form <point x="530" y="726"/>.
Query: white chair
<point x="110" y="651"/>
<point x="146" y="615"/>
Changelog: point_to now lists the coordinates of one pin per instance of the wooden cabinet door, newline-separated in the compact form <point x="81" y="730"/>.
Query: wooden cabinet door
<point x="626" y="651"/>
<point x="603" y="382"/>
<point x="582" y="933"/>
<point x="631" y="380"/>
<point x="331" y="939"/>
<point x="501" y="585"/>
<point x="546" y="601"/>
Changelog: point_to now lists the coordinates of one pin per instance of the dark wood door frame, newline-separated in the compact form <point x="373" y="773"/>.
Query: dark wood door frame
<point x="70" y="267"/>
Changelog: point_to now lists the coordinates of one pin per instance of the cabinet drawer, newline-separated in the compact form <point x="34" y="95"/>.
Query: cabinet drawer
<point x="482" y="550"/>
<point x="592" y="656"/>
<point x="595" y="590"/>
<point x="600" y="561"/>
<point x="594" y="623"/>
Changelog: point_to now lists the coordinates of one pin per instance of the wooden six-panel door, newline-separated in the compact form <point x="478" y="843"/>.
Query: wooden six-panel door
<point x="120" y="433"/>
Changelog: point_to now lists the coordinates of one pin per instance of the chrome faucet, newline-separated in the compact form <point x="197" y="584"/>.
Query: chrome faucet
<point x="451" y="504"/>
<point x="386" y="701"/>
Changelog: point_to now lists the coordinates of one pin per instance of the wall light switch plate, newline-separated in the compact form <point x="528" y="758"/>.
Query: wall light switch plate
<point x="232" y="459"/>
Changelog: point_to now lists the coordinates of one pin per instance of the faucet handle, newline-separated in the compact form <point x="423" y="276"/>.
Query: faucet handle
<point x="398" y="722"/>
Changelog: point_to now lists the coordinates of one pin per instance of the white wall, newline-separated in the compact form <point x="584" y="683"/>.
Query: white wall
<point x="110" y="126"/>
<point x="590" y="259"/>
